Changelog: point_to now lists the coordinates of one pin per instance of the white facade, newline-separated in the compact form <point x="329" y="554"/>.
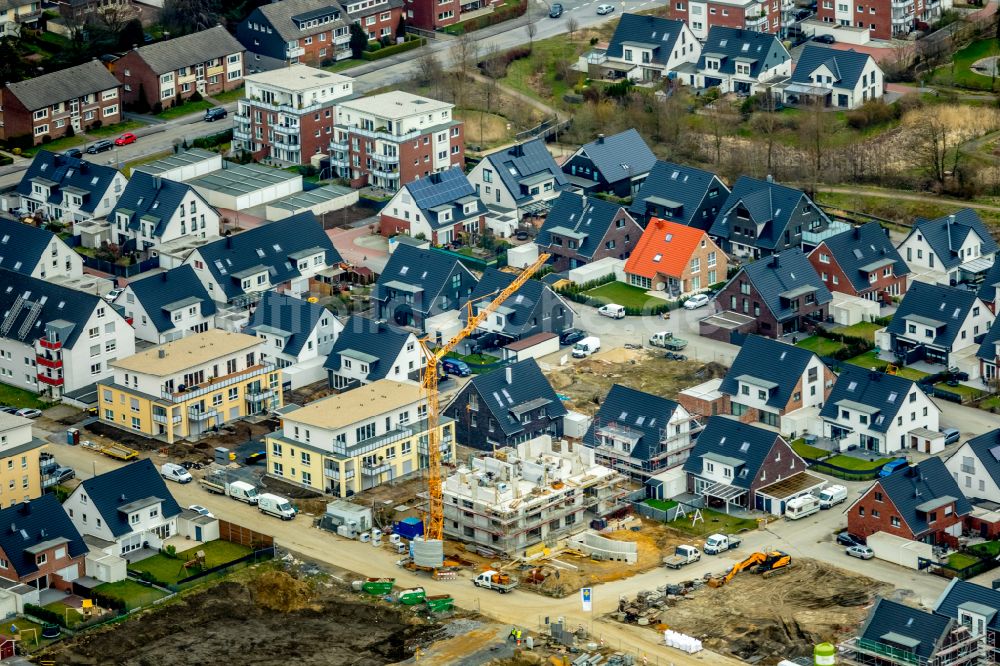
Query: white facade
<point x="492" y="190"/>
<point x="410" y="359"/>
<point x="147" y="522"/>
<point x="318" y="343"/>
<point x="916" y="411"/>
<point x="870" y="85"/>
<point x="741" y="78"/>
<point x="971" y="475"/>
<point x="308" y="266"/>
<point x="403" y="207"/>
<point x="186" y="319"/>
<point x="755" y="396"/>
<point x="925" y="263"/>
<point x="686" y="49"/>
<point x="69" y="209"/>
<point x="58" y="260"/>
<point x="977" y="322"/>
<point x="193" y="218"/>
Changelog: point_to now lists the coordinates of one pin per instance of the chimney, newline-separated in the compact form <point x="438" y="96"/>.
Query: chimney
<point x="770" y="178"/>
<point x="156" y="182"/>
<point x="26" y="507"/>
<point x="951" y="221"/>
<point x="163" y="276"/>
<point x="600" y="138"/>
<point x="161" y="353"/>
<point x="509" y="374"/>
<point x="857" y="232"/>
<point x="774" y="260"/>
<point x="229" y="242"/>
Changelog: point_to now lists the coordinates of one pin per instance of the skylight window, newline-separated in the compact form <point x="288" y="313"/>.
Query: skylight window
<point x="723" y="42"/>
<point x="93" y="181"/>
<point x="669" y="238"/>
<point x="723" y="440"/>
<point x="657" y="258"/>
<point x="746" y="47"/>
<point x="852" y="386"/>
<point x="955" y="314"/>
<point x="744" y="447"/>
<point x="260" y="252"/>
<point x="892" y="397"/>
<point x="404" y="270"/>
<point x="61" y="305"/>
<point x="277" y="248"/>
<point x="622" y="416"/>
<point x="640" y="420"/>
<point x="674" y="175"/>
<point x="858" y="254"/>
<point x="6" y="237"/>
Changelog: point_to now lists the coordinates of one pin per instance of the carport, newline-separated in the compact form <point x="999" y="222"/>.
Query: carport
<point x="774" y="497"/>
<point x="724" y="493"/>
<point x="729" y="327"/>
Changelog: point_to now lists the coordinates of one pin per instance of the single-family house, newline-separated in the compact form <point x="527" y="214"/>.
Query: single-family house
<point x="861" y="262"/>
<point x="523" y="178"/>
<point x="37" y="252"/>
<point x="418" y="284"/>
<point x="368" y="350"/>
<point x="506" y="407"/>
<point x="617" y="164"/>
<point x="640" y="434"/>
<point x="922" y="502"/>
<point x="989" y="354"/>
<point x="645" y="48"/>
<point x="40" y="547"/>
<point x="988" y="287"/>
<point x="975" y="607"/>
<point x="580" y="230"/>
<point x="878" y="412"/>
<point x="130" y="506"/>
<point x="68" y="188"/>
<point x="168" y="305"/>
<point x="535" y="308"/>
<point x="834" y="77"/>
<point x="783" y="293"/>
<point x="736" y="60"/>
<point x="679" y="193"/>
<point x="443" y="207"/>
<point x="951" y="249"/>
<point x="975" y="465"/>
<point x="676" y="259"/>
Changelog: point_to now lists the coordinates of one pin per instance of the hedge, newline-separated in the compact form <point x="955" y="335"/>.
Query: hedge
<point x="505" y="12"/>
<point x="575" y="292"/>
<point x="854" y="345"/>
<point x="45" y="614"/>
<point x="387" y="51"/>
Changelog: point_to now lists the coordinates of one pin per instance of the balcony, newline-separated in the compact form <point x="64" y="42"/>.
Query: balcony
<point x="294" y="52"/>
<point x="389" y="175"/>
<point x="241" y="119"/>
<point x="335" y="474"/>
<point x="342" y="39"/>
<point x="339" y="162"/>
<point x="49" y="344"/>
<point x="162" y="418"/>
<point x="51" y="381"/>
<point x="756" y="23"/>
<point x="201" y="415"/>
<point x="286" y="130"/>
<point x="342" y="146"/>
<point x="391" y="160"/>
<point x="49" y="362"/>
<point x="241" y="136"/>
<point x="375" y="469"/>
<point x="216" y="384"/>
<point x="259" y="394"/>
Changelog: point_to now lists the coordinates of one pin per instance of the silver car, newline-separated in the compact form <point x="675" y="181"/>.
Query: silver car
<point x="861" y="552"/>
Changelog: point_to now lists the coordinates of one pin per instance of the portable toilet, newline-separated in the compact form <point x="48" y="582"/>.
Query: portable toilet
<point x="72" y="436"/>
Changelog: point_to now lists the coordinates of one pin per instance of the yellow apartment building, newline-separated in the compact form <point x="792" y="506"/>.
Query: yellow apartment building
<point x="357" y="440"/>
<point x="20" y="453"/>
<point x="184" y="388"/>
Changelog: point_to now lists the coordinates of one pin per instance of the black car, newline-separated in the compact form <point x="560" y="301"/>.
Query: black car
<point x="100" y="146"/>
<point x="256" y="457"/>
<point x="215" y="113"/>
<point x="556" y="11"/>
<point x="802" y="14"/>
<point x="73" y="152"/>
<point x="571" y="336"/>
<point x="824" y="39"/>
<point x="848" y="539"/>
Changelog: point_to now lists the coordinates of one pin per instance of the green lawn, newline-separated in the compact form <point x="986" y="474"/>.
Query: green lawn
<point x="114" y="130"/>
<point x="31" y="632"/>
<point x="714" y="521"/>
<point x="131" y="593"/>
<point x="170" y="570"/>
<point x="11" y="396"/>
<point x="474" y="359"/>
<point x="987" y="548"/>
<point x="959" y="72"/>
<point x="662" y="505"/>
<point x="546" y="54"/>
<point x="70" y="615"/>
<point x="864" y="329"/>
<point x="968" y="392"/>
<point x="624" y="294"/>
<point x="807" y="451"/>
<point x="341" y="65"/>
<point x="990" y="403"/>
<point x="961" y="560"/>
<point x="821" y="346"/>
<point x="229" y="95"/>
<point x="870" y="360"/>
<point x="857" y="464"/>
<point x="184" y="109"/>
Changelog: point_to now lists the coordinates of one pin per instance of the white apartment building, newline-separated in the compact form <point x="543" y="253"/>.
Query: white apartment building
<point x="153" y="211"/>
<point x="37" y="252"/>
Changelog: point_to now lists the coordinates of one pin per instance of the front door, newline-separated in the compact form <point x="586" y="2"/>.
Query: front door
<point x="197" y="533"/>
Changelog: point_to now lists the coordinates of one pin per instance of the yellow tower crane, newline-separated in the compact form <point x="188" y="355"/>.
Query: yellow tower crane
<point x="435" y="523"/>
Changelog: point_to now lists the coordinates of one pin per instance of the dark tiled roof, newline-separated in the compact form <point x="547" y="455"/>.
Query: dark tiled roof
<point x="522" y="306"/>
<point x="792" y="271"/>
<point x="945" y="304"/>
<point x="988" y="347"/>
<point x="280" y="15"/>
<point x="276" y="240"/>
<point x="50" y="89"/>
<point x="869" y="388"/>
<point x="846" y="66"/>
<point x="68" y="172"/>
<point x="927" y="480"/>
<point x="660" y="33"/>
<point x="290" y="314"/>
<point x="942" y="236"/>
<point x="131" y="483"/>
<point x="769" y="204"/>
<point x="523" y="161"/>
<point x="430" y="270"/>
<point x="890" y="617"/>
<point x="590" y="216"/>
<point x="620" y="156"/>
<point x="445" y="188"/>
<point x="30" y="523"/>
<point x="987" y="450"/>
<point x="988" y="289"/>
<point x="644" y="413"/>
<point x="771" y="361"/>
<point x="185" y="51"/>
<point x="382" y="341"/>
<point x="862" y="247"/>
<point x="762" y="50"/>
<point x="961" y="592"/>
<point x="22" y="245"/>
<point x="157" y="291"/>
<point x="153" y="199"/>
<point x="527" y="384"/>
<point x="682" y="184"/>
<point x="61" y="303"/>
<point x="728" y="437"/>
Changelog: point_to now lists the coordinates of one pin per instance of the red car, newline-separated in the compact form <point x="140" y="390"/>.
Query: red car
<point x="125" y="139"/>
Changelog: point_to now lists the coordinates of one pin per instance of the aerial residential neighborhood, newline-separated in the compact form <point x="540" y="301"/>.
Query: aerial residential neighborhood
<point x="325" y="322"/>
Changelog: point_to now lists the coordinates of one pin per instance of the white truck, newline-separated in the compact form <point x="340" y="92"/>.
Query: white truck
<point x="682" y="555"/>
<point x="586" y="347"/>
<point x="215" y="482"/>
<point x="275" y="505"/>
<point x="494" y="580"/>
<point x="720" y="543"/>
<point x="832" y="496"/>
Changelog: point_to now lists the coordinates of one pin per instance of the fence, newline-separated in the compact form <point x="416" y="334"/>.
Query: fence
<point x="234" y="533"/>
<point x="260" y="555"/>
<point x="965" y="573"/>
<point x="119" y="270"/>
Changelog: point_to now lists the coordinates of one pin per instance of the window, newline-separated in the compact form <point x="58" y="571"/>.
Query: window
<point x="894" y="521"/>
<point x="41" y="558"/>
<point x="278" y="469"/>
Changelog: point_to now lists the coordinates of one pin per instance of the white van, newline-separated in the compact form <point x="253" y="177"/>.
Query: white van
<point x="612" y="310"/>
<point x="586" y="347"/>
<point x="275" y="505"/>
<point x="175" y="472"/>
<point x="802" y="506"/>
<point x="832" y="496"/>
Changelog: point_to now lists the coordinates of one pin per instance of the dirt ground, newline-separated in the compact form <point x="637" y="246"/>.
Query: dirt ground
<point x="588" y="381"/>
<point x="780" y="617"/>
<point x="201" y="451"/>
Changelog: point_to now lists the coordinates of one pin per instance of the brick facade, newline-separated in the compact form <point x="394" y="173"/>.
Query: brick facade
<point x="622" y="240"/>
<point x="732" y="297"/>
<point x="875" y="512"/>
<point x="833" y="276"/>
<point x="757" y="16"/>
<point x="48" y="571"/>
<point x="79" y="113"/>
<point x="869" y="13"/>
<point x="432" y="14"/>
<point x="781" y="462"/>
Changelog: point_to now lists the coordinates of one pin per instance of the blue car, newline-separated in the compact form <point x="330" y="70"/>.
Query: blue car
<point x="890" y="467"/>
<point x="453" y="366"/>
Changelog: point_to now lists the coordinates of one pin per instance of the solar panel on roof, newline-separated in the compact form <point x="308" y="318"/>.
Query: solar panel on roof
<point x="858" y="254"/>
<point x="507" y="395"/>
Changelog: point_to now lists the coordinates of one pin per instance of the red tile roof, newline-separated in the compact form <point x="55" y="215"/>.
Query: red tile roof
<point x="655" y="254"/>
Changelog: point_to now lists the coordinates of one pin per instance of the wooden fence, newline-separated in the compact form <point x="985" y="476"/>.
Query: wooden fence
<point x="244" y="536"/>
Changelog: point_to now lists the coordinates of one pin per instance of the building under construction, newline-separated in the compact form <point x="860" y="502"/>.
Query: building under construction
<point x="536" y="492"/>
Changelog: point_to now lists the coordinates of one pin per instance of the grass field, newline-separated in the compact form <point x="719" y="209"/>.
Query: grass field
<point x="11" y="396"/>
<point x="821" y="346"/>
<point x="131" y="593"/>
<point x="857" y="464"/>
<point x="963" y="390"/>
<point x="662" y="505"/>
<point x="70" y="615"/>
<point x="171" y="570"/>
<point x="806" y="451"/>
<point x="864" y="329"/>
<point x="959" y="71"/>
<point x="869" y="360"/>
<point x="486" y="130"/>
<point x="229" y="95"/>
<point x="114" y="130"/>
<point x="474" y="359"/>
<point x="536" y="75"/>
<point x="184" y="109"/>
<point x="902" y="210"/>
<point x="987" y="548"/>
<point x="961" y="560"/>
<point x="624" y="294"/>
<point x="714" y="521"/>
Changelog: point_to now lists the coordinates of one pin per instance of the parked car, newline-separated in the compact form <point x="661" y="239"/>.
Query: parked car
<point x="845" y="538"/>
<point x="454" y="366"/>
<point x="951" y="435"/>
<point x="605" y="9"/>
<point x="256" y="457"/>
<point x="8" y="410"/>
<point x="63" y="474"/>
<point x="892" y="466"/>
<point x="697" y="301"/>
<point x="860" y="552"/>
<point x="215" y="113"/>
<point x="556" y="11"/>
<point x="175" y="472"/>
<point x="612" y="310"/>
<point x="824" y="39"/>
<point x="112" y="295"/>
<point x="199" y="509"/>
<point x="802" y="14"/>
<point x="29" y="413"/>
<point x="100" y="146"/>
<point x="571" y="336"/>
<point x="125" y="139"/>
<point x="73" y="152"/>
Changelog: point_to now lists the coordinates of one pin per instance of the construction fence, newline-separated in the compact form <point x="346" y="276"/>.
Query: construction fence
<point x="244" y="536"/>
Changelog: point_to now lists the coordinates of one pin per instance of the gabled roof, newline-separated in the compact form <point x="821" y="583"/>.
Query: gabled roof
<point x="883" y="393"/>
<point x="914" y="490"/>
<point x="619" y="156"/>
<point x="986" y="447"/>
<point x="429" y="270"/>
<point x="270" y="245"/>
<point x="286" y="313"/>
<point x="40" y="522"/>
<point x="961" y="592"/>
<point x="665" y="248"/>
<point x="669" y="182"/>
<point x="731" y="439"/>
<point x="50" y="89"/>
<point x="522" y="161"/>
<point x="768" y="362"/>
<point x="151" y="199"/>
<point x="784" y="273"/>
<point x="988" y="347"/>
<point x="862" y="250"/>
<point x="160" y="294"/>
<point x="769" y="204"/>
<point x="946" y="236"/>
<point x="645" y="414"/>
<point x="589" y="216"/>
<point x="527" y="384"/>
<point x="187" y="50"/>
<point x="905" y="628"/>
<point x="520" y="306"/>
<point x="22" y="245"/>
<point x="61" y="172"/>
<point x="946" y="306"/>
<point x="659" y="34"/>
<point x="281" y="15"/>
<point x="846" y="66"/>
<point x="42" y="303"/>
<point x="732" y="45"/>
<point x="374" y="339"/>
<point x="120" y="487"/>
<point x="445" y="191"/>
<point x="988" y="289"/>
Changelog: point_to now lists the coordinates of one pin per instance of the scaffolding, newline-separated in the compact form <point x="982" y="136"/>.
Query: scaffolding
<point x="960" y="647"/>
<point x="669" y="450"/>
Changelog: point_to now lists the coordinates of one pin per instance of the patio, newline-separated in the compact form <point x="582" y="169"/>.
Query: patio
<point x="52" y="595"/>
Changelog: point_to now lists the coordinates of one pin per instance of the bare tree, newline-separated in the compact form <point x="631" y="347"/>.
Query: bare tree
<point x="815" y="134"/>
<point x="766" y="125"/>
<point x="113" y="17"/>
<point x="572" y="25"/>
<point x="429" y="68"/>
<point x="719" y="118"/>
<point x="531" y="29"/>
<point x="464" y="54"/>
<point x="494" y="69"/>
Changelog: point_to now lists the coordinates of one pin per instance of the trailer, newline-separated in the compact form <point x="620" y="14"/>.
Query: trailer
<point x="667" y="340"/>
<point x="117" y="451"/>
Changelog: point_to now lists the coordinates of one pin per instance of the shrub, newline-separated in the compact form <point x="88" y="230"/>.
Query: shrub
<point x="872" y="113"/>
<point x="496" y="67"/>
<point x="195" y="97"/>
<point x="385" y="52"/>
<point x="70" y="131"/>
<point x="47" y="138"/>
<point x="148" y="577"/>
<point x="45" y="614"/>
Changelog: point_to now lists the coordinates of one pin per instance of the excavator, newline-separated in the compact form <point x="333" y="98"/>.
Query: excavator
<point x="766" y="564"/>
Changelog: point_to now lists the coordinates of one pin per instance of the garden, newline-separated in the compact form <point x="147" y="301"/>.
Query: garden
<point x="820" y="346"/>
<point x="713" y="521"/>
<point x="131" y="594"/>
<point x="168" y="567"/>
